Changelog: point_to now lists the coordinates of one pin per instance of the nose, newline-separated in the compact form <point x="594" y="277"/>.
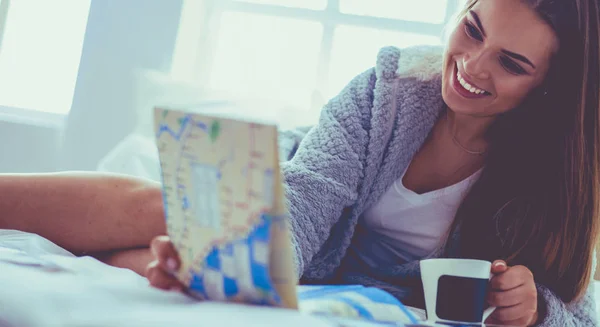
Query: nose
<point x="475" y="65"/>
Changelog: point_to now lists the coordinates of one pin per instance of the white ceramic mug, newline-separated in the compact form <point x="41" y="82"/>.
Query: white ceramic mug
<point x="455" y="289"/>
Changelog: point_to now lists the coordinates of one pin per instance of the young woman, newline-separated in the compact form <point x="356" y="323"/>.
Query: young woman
<point x="488" y="148"/>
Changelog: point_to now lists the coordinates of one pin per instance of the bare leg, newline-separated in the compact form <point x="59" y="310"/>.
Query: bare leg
<point x="83" y="212"/>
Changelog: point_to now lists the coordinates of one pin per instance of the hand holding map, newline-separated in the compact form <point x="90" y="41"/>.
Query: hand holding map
<point x="225" y="208"/>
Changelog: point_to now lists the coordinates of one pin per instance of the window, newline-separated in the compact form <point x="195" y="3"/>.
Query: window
<point x="297" y="52"/>
<point x="41" y="44"/>
<point x="3" y="13"/>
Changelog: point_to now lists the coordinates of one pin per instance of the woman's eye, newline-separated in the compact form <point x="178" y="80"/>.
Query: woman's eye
<point x="511" y="66"/>
<point x="473" y="32"/>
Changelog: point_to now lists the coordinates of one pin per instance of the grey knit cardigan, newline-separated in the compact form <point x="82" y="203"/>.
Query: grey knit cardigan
<point x="365" y="138"/>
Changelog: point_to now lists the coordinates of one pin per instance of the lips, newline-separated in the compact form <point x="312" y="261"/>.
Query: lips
<point x="466" y="88"/>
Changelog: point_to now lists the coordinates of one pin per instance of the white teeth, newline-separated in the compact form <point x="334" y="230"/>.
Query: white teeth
<point x="468" y="86"/>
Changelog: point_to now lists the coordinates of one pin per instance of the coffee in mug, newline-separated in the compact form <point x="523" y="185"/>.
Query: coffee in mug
<point x="455" y="289"/>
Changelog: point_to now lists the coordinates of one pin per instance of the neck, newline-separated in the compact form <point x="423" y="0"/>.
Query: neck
<point x="468" y="131"/>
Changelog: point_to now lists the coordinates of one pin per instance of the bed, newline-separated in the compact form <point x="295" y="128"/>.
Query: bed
<point x="45" y="285"/>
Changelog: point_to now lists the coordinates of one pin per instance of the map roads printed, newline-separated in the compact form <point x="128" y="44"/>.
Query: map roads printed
<point x="225" y="208"/>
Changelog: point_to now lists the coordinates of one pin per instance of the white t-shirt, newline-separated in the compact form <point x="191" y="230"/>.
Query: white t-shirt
<point x="405" y="226"/>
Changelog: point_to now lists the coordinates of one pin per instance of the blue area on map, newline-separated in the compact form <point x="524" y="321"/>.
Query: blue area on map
<point x="260" y="277"/>
<point x="186" y="202"/>
<point x="164" y="196"/>
<point x="260" y="274"/>
<point x="164" y="128"/>
<point x="212" y="260"/>
<point x="259" y="271"/>
<point x="262" y="232"/>
<point x="230" y="286"/>
<point x="197" y="284"/>
<point x="227" y="249"/>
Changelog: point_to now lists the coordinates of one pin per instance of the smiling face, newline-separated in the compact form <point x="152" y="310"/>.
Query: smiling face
<point x="496" y="55"/>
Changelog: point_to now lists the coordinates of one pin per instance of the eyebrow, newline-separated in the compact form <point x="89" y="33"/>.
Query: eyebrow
<point x="477" y="21"/>
<point x="506" y="52"/>
<point x="518" y="57"/>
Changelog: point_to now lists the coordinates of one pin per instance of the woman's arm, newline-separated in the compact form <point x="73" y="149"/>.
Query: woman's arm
<point x="582" y="312"/>
<point x="83" y="212"/>
<point x="323" y="175"/>
<point x="554" y="312"/>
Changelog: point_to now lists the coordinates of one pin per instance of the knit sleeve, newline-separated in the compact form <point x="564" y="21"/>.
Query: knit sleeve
<point x="322" y="177"/>
<point x="580" y="313"/>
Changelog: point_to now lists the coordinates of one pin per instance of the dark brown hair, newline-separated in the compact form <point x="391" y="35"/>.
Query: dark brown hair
<point x="537" y="200"/>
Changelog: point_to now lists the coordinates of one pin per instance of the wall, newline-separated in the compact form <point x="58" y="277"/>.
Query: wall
<point x="28" y="147"/>
<point x="122" y="37"/>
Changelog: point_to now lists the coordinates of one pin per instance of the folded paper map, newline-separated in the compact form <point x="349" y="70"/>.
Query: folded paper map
<point x="225" y="208"/>
<point x="226" y="216"/>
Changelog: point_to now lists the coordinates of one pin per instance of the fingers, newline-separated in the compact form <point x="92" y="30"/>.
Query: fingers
<point x="513" y="313"/>
<point x="160" y="278"/>
<point x="160" y="272"/>
<point x="512" y="297"/>
<point x="513" y="292"/>
<point x="512" y="278"/>
<point x="499" y="266"/>
<point x="521" y="322"/>
<point x="164" y="251"/>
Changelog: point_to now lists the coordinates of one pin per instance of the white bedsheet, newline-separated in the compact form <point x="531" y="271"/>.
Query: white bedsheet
<point x="41" y="284"/>
<point x="44" y="285"/>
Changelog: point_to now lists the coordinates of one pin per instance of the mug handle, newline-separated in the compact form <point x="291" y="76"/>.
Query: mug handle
<point x="487" y="312"/>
